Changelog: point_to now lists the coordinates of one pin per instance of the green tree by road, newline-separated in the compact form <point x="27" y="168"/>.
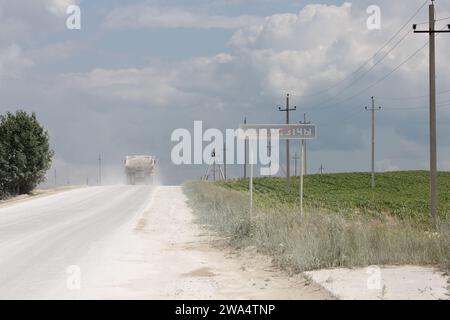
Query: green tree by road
<point x="25" y="154"/>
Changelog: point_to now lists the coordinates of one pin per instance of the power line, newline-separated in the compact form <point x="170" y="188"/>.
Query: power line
<point x="442" y="19"/>
<point x="384" y="77"/>
<point x="355" y="114"/>
<point x="436" y="20"/>
<point x="381" y="79"/>
<point x="388" y="74"/>
<point x="443" y="105"/>
<point x="354" y="81"/>
<point x="386" y="44"/>
<point x="414" y="98"/>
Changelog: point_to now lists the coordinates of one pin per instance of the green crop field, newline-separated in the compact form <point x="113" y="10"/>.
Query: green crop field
<point x="403" y="195"/>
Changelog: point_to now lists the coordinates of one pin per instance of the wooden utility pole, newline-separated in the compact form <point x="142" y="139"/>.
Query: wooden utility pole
<point x="288" y="160"/>
<point x="224" y="161"/>
<point x="245" y="152"/>
<point x="433" y="152"/>
<point x="373" y="109"/>
<point x="304" y="146"/>
<point x="302" y="150"/>
<point x="214" y="164"/>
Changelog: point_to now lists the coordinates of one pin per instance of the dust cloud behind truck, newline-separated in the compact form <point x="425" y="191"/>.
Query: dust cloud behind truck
<point x="140" y="169"/>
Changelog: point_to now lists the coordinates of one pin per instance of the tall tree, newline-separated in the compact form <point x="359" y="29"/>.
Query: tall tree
<point x="25" y="154"/>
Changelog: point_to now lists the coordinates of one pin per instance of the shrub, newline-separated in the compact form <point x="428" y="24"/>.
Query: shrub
<point x="25" y="154"/>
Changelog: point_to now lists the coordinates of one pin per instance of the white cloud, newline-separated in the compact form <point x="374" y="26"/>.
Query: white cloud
<point x="153" y="16"/>
<point x="13" y="62"/>
<point x="59" y="7"/>
<point x="202" y="78"/>
<point x="23" y="21"/>
<point x="298" y="52"/>
<point x="135" y="85"/>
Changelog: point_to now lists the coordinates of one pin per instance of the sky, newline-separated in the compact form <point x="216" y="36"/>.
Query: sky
<point x="137" y="70"/>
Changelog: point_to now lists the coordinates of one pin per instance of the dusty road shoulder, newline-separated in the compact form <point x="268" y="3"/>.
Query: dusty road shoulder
<point x="35" y="194"/>
<point x="168" y="256"/>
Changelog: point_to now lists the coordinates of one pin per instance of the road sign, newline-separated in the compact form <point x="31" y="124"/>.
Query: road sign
<point x="283" y="131"/>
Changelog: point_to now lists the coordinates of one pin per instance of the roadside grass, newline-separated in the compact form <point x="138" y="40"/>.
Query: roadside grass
<point x="324" y="237"/>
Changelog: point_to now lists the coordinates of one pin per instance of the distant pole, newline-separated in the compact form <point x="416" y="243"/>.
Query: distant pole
<point x="100" y="169"/>
<point x="225" y="161"/>
<point x="373" y="109"/>
<point x="214" y="164"/>
<point x="55" y="178"/>
<point x="288" y="160"/>
<point x="321" y="169"/>
<point x="296" y="157"/>
<point x="304" y="145"/>
<point x="251" y="181"/>
<point x="245" y="152"/>
<point x="302" y="149"/>
<point x="433" y="152"/>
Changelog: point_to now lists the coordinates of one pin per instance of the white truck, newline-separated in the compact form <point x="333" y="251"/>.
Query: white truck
<point x="140" y="169"/>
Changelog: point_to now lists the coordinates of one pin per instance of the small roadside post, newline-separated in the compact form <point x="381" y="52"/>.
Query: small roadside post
<point x="302" y="153"/>
<point x="300" y="132"/>
<point x="251" y="181"/>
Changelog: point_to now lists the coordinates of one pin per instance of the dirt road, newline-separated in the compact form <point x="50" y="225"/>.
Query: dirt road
<point x="128" y="243"/>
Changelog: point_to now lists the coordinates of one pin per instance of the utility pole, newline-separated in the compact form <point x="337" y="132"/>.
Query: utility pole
<point x="296" y="157"/>
<point x="302" y="149"/>
<point x="321" y="169"/>
<point x="99" y="169"/>
<point x="245" y="153"/>
<point x="304" y="145"/>
<point x="373" y="109"/>
<point x="55" y="179"/>
<point x="288" y="160"/>
<point x="214" y="164"/>
<point x="225" y="161"/>
<point x="269" y="149"/>
<point x="433" y="153"/>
